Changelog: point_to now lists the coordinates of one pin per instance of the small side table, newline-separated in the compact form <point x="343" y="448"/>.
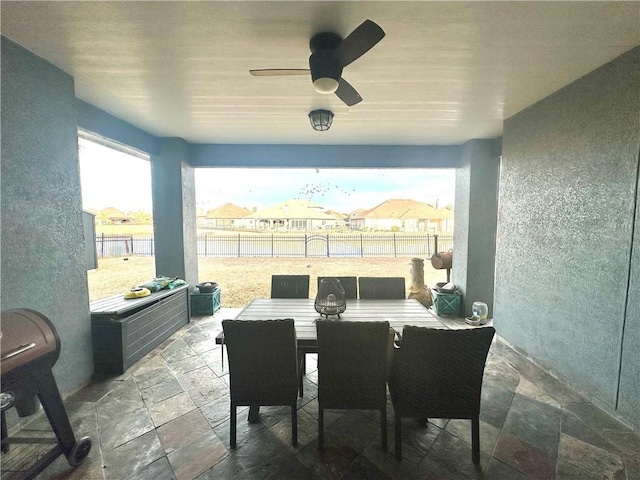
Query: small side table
<point x="205" y="303"/>
<point x="446" y="304"/>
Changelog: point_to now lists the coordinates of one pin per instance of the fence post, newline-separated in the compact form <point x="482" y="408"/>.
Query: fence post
<point x="206" y="235"/>
<point x="272" y="245"/>
<point x="102" y="245"/>
<point x="395" y="248"/>
<point x="361" y="247"/>
<point x="305" y="245"/>
<point x="133" y="251"/>
<point x="238" y="245"/>
<point x="328" y="246"/>
<point x="435" y="243"/>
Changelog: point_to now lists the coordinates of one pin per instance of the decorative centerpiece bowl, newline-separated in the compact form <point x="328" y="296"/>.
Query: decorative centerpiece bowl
<point x="330" y="299"/>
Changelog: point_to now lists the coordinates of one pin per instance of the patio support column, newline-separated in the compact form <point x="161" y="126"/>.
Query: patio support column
<point x="174" y="211"/>
<point x="476" y="207"/>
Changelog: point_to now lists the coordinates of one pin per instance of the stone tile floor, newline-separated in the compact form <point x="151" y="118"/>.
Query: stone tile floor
<point x="168" y="417"/>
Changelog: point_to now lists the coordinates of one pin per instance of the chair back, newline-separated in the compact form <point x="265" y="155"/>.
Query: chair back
<point x="262" y="361"/>
<point x="289" y="286"/>
<point x="349" y="284"/>
<point x="352" y="364"/>
<point x="383" y="288"/>
<point x="439" y="371"/>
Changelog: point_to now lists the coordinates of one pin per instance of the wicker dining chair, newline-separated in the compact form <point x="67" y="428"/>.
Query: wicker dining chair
<point x="262" y="367"/>
<point x="382" y="288"/>
<point x="289" y="286"/>
<point x="438" y="374"/>
<point x="349" y="284"/>
<point x="352" y="369"/>
<point x="292" y="286"/>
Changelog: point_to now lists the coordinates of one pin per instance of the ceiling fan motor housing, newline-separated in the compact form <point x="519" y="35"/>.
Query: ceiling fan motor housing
<point x="324" y="41"/>
<point x="325" y="67"/>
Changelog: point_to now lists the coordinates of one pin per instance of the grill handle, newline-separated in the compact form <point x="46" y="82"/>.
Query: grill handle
<point x="18" y="351"/>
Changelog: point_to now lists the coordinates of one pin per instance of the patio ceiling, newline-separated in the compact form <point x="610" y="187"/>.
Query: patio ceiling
<point x="446" y="72"/>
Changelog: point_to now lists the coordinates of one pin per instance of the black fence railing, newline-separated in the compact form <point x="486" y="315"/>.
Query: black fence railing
<point x="124" y="245"/>
<point x="278" y="245"/>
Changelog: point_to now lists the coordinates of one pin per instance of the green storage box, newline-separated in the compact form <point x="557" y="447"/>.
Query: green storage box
<point x="205" y="303"/>
<point x="446" y="304"/>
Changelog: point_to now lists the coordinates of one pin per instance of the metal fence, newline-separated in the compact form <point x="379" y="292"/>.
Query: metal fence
<point x="124" y="246"/>
<point x="279" y="245"/>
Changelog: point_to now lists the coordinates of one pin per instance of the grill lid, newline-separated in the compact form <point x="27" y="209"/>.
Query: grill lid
<point x="26" y="335"/>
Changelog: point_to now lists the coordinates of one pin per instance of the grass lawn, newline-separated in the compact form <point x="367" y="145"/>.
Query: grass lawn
<point x="243" y="279"/>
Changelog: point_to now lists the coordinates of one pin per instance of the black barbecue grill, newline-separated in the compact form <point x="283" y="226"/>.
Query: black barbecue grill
<point x="29" y="348"/>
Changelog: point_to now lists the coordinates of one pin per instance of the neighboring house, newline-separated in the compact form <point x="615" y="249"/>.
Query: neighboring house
<point x="140" y="217"/>
<point x="294" y="214"/>
<point x="440" y="220"/>
<point x="404" y="215"/>
<point x="113" y="216"/>
<point x="355" y="214"/>
<point x="201" y="214"/>
<point x="225" y="216"/>
<point x="341" y="218"/>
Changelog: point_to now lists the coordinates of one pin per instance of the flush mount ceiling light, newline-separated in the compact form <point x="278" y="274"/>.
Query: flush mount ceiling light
<point x="321" y="120"/>
<point x="325" y="85"/>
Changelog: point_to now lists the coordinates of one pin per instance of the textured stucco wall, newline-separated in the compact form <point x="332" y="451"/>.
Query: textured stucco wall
<point x="629" y="399"/>
<point x="565" y="221"/>
<point x="174" y="211"/>
<point x="475" y="222"/>
<point x="42" y="240"/>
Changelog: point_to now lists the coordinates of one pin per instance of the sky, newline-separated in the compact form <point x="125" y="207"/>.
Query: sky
<point x="110" y="178"/>
<point x="114" y="179"/>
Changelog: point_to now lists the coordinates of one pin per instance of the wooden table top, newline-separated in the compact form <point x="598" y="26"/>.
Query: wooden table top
<point x="398" y="313"/>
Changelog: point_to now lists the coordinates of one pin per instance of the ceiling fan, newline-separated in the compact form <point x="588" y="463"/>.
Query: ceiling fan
<point x="329" y="55"/>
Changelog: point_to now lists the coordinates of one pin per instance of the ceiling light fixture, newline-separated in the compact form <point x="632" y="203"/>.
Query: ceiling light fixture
<point x="321" y="119"/>
<point x="325" y="85"/>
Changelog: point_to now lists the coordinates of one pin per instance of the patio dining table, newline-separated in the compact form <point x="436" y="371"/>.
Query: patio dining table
<point x="398" y="312"/>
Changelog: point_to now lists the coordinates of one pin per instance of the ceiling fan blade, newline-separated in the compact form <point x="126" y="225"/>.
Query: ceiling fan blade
<point x="347" y="93"/>
<point x="276" y="72"/>
<point x="358" y="42"/>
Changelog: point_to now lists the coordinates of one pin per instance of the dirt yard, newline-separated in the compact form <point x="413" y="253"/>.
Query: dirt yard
<point x="243" y="279"/>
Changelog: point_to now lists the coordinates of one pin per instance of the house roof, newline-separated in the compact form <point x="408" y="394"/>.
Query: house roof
<point x="228" y="210"/>
<point x="112" y="212"/>
<point x="294" y="208"/>
<point x="336" y="215"/>
<point x="405" y="209"/>
<point x="441" y="213"/>
<point x="427" y="212"/>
